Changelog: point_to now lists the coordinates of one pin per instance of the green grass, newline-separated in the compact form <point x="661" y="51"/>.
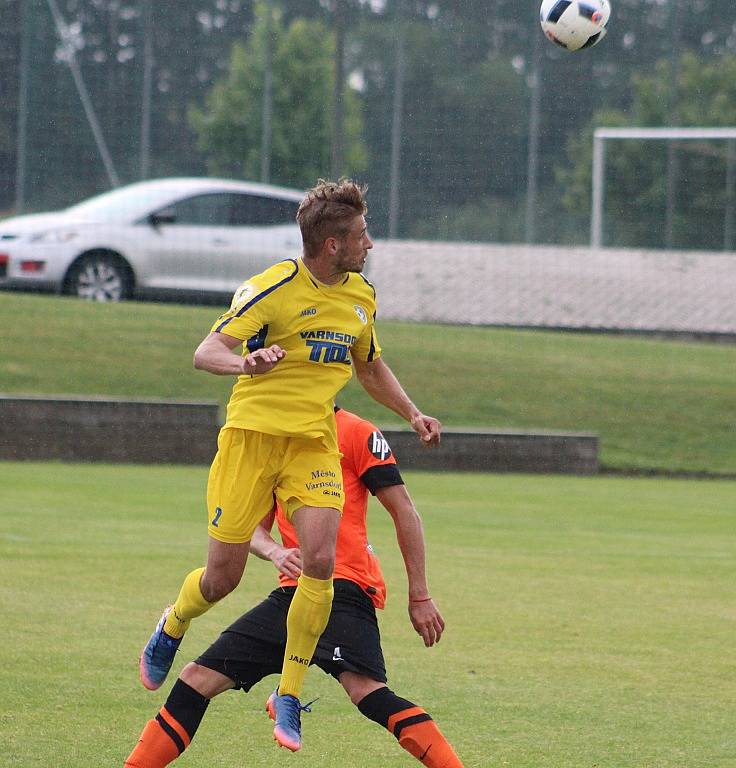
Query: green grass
<point x="590" y="622"/>
<point x="656" y="404"/>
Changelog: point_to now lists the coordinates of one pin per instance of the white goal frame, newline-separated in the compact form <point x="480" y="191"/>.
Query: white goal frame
<point x="601" y="135"/>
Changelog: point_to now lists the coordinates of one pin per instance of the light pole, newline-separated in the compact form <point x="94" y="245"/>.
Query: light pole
<point x="267" y="112"/>
<point x="532" y="169"/>
<point x="21" y="139"/>
<point x="398" y="108"/>
<point x="339" y="92"/>
<point x="145" y="142"/>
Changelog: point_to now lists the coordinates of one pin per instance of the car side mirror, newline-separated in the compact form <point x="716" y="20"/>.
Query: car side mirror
<point x="166" y="216"/>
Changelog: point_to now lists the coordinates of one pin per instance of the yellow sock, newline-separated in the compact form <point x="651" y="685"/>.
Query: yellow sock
<point x="306" y="621"/>
<point x="188" y="605"/>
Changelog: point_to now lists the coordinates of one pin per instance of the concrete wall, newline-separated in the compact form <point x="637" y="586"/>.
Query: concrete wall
<point x="499" y="451"/>
<point x="101" y="429"/>
<point x="684" y="292"/>
<point x="156" y="432"/>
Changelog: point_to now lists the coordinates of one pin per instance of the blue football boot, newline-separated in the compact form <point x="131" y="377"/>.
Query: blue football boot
<point x="286" y="711"/>
<point x="158" y="655"/>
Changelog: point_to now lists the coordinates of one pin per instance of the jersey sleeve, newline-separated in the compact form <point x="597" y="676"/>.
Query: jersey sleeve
<point x="370" y="450"/>
<point x="255" y="302"/>
<point x="367" y="348"/>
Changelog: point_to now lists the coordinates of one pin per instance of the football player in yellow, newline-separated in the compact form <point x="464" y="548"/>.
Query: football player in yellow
<point x="303" y="326"/>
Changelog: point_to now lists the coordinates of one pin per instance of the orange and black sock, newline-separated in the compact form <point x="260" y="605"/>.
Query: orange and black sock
<point x="415" y="730"/>
<point x="166" y="737"/>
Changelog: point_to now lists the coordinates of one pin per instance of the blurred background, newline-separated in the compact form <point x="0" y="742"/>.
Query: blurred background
<point x="466" y="123"/>
<point x="607" y="602"/>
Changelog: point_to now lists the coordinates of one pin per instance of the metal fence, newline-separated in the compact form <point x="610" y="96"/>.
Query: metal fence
<point x="465" y="122"/>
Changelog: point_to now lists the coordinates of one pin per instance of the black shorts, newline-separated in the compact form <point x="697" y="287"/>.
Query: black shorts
<point x="253" y="646"/>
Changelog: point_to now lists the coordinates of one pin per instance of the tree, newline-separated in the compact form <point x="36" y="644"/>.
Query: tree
<point x="463" y="130"/>
<point x="636" y="171"/>
<point x="229" y="127"/>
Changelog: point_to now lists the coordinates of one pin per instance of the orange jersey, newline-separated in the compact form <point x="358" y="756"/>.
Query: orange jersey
<point x="364" y="450"/>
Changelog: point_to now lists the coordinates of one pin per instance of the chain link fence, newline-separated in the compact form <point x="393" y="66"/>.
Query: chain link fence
<point x="465" y="123"/>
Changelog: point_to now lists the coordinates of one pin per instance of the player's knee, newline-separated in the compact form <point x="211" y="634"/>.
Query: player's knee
<point x="359" y="686"/>
<point x="205" y="681"/>
<point x="355" y="698"/>
<point x="193" y="675"/>
<point x="320" y="564"/>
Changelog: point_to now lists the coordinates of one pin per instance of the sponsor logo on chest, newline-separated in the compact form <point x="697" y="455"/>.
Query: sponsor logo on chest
<point x="328" y="346"/>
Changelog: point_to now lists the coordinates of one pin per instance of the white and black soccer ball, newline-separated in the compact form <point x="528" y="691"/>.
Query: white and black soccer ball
<point x="575" y="24"/>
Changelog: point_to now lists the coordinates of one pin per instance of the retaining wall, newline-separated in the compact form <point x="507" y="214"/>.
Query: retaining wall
<point x="103" y="429"/>
<point x="159" y="432"/>
<point x="499" y="451"/>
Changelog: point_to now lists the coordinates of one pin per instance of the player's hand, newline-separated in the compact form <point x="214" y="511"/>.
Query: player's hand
<point x="428" y="428"/>
<point x="263" y="360"/>
<point x="288" y="562"/>
<point x="427" y="621"/>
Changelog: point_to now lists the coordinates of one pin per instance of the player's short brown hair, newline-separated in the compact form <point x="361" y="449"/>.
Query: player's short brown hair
<point x="327" y="210"/>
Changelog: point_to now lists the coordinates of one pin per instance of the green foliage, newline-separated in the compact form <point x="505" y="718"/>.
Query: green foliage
<point x="655" y="404"/>
<point x="589" y="622"/>
<point x="707" y="92"/>
<point x="636" y="170"/>
<point x="6" y="136"/>
<point x="501" y="219"/>
<point x="230" y="126"/>
<point x="466" y="116"/>
<point x="463" y="146"/>
<point x="487" y="219"/>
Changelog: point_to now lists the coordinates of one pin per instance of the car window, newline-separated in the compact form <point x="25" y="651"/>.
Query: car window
<point x="257" y="210"/>
<point x="124" y="203"/>
<point x="209" y="210"/>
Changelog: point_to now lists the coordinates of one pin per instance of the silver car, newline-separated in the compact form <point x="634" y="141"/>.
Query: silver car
<point x="169" y="236"/>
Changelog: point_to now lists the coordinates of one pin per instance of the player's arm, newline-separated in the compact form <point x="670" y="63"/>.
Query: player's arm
<point x="424" y="614"/>
<point x="379" y="382"/>
<point x="263" y="545"/>
<point x="215" y="354"/>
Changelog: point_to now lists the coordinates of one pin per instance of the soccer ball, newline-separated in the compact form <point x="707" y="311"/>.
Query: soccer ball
<point x="575" y="24"/>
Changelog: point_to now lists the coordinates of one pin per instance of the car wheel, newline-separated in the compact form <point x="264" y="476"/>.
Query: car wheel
<point x="99" y="277"/>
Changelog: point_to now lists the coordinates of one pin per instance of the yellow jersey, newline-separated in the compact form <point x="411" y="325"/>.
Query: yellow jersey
<point x="321" y="328"/>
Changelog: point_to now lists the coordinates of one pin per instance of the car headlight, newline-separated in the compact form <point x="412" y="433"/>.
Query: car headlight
<point x="54" y="236"/>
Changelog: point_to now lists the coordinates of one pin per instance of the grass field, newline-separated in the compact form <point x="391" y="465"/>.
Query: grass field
<point x="656" y="404"/>
<point x="590" y="622"/>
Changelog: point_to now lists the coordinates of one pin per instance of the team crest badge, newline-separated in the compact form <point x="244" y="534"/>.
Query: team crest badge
<point x="242" y="295"/>
<point x="361" y="313"/>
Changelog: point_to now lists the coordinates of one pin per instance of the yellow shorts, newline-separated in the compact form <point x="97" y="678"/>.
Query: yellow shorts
<point x="251" y="468"/>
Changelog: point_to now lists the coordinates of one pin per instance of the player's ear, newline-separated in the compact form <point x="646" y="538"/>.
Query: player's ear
<point x="330" y="246"/>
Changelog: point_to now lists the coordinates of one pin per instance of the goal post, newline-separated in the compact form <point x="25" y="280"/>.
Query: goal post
<point x="602" y="135"/>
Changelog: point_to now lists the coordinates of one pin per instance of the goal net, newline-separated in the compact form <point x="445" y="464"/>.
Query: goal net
<point x="664" y="187"/>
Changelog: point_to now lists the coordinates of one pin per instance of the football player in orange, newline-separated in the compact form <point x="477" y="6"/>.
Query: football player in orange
<point x="350" y="647"/>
